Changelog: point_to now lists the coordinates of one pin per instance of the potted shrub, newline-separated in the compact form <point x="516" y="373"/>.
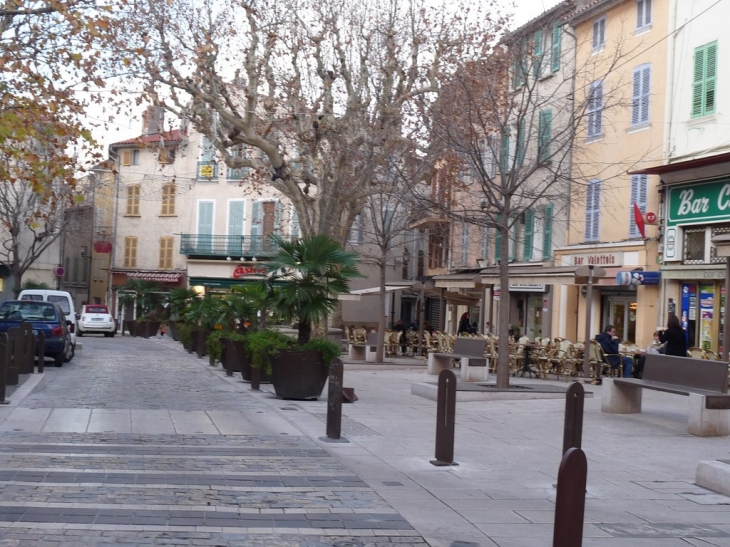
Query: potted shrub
<point x="146" y="297"/>
<point x="303" y="279"/>
<point x="178" y="300"/>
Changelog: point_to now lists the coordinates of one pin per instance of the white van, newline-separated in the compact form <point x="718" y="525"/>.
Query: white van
<point x="62" y="298"/>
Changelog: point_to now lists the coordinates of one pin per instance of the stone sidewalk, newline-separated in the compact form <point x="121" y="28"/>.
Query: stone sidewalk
<point x="136" y="436"/>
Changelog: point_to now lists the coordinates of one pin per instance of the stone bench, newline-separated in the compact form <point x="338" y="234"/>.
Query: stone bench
<point x="704" y="381"/>
<point x="364" y="352"/>
<point x="470" y="353"/>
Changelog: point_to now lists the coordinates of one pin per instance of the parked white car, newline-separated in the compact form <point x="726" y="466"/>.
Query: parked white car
<point x="96" y="318"/>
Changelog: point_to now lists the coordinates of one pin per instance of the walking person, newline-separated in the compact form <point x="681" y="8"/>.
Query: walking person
<point x="674" y="337"/>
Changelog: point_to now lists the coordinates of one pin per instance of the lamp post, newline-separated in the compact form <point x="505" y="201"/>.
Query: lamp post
<point x="421" y="286"/>
<point x="588" y="273"/>
<point x="722" y="246"/>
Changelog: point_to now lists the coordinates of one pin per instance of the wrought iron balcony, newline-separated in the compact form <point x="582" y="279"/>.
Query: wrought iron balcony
<point x="213" y="246"/>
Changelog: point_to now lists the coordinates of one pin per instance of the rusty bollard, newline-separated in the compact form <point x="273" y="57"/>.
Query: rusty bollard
<point x="255" y="378"/>
<point x="334" y="399"/>
<point x="570" y="500"/>
<point x="445" y="419"/>
<point x="573" y="426"/>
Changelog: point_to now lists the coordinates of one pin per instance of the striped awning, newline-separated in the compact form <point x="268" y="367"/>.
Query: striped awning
<point x="155" y="276"/>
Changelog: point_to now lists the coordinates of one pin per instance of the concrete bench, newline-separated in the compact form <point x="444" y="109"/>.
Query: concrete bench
<point x="364" y="352"/>
<point x="704" y="381"/>
<point x="470" y="352"/>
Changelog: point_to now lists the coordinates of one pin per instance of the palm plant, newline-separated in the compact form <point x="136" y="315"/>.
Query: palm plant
<point x="177" y="301"/>
<point x="145" y="294"/>
<point x="309" y="274"/>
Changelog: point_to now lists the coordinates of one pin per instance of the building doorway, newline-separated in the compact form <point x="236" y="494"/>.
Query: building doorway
<point x="620" y="311"/>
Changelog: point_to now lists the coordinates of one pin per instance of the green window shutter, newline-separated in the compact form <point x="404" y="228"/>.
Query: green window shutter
<point x="235" y="217"/>
<point x="547" y="233"/>
<point x="544" y="135"/>
<point x="555" y="55"/>
<point x="277" y="218"/>
<point x="256" y="218"/>
<point x="294" y="228"/>
<point x="205" y="217"/>
<point x="520" y="152"/>
<point x="704" y="79"/>
<point x="537" y="54"/>
<point x="528" y="244"/>
<point x="504" y="162"/>
<point x="498" y="240"/>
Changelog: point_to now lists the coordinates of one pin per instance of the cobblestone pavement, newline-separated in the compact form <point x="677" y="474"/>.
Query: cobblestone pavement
<point x="136" y="442"/>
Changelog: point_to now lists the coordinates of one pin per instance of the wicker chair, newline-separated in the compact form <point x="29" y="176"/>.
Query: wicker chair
<point x="696" y="353"/>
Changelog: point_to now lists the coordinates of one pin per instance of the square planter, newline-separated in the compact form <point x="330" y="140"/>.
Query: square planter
<point x="298" y="374"/>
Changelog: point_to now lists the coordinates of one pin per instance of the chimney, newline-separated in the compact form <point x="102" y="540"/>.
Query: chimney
<point x="153" y="120"/>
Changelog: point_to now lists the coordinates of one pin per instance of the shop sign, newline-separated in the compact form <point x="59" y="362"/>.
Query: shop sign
<point x="520" y="287"/>
<point x="699" y="203"/>
<point x="242" y="271"/>
<point x="637" y="278"/>
<point x="594" y="259"/>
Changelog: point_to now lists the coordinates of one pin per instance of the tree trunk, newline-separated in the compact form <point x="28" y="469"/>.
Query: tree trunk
<point x="381" y="313"/>
<point x="504" y="302"/>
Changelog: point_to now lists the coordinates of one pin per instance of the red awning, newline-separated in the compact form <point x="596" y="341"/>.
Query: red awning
<point x="682" y="165"/>
<point x="153" y="276"/>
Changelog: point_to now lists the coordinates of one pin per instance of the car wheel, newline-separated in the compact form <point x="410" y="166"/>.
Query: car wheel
<point x="106" y="335"/>
<point x="70" y="354"/>
<point x="79" y="333"/>
<point x="58" y="359"/>
<point x="112" y="334"/>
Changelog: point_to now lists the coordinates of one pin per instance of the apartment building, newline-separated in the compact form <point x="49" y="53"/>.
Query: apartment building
<point x="695" y="171"/>
<point x="620" y="81"/>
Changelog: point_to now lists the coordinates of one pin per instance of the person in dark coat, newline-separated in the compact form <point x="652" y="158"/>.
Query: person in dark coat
<point x="609" y="343"/>
<point x="674" y="337"/>
<point x="464" y="324"/>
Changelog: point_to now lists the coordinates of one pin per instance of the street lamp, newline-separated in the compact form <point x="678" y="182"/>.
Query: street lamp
<point x="722" y="247"/>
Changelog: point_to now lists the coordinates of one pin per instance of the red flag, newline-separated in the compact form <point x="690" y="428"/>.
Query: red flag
<point x="639" y="219"/>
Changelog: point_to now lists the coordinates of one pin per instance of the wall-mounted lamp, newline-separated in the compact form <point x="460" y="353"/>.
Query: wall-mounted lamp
<point x="228" y="258"/>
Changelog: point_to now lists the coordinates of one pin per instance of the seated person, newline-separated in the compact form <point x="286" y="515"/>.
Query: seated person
<point x="609" y="343"/>
<point x="656" y="347"/>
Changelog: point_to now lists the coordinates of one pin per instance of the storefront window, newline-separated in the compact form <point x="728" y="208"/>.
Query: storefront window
<point x="694" y="246"/>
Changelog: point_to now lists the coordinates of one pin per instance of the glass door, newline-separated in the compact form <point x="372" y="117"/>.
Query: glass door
<point x="621" y="311"/>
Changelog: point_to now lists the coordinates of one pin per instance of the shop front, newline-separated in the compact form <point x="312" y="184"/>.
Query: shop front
<point x="220" y="277"/>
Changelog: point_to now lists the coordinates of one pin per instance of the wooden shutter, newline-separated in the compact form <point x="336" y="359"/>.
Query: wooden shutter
<point x="130" y="252"/>
<point x="710" y="79"/>
<point x="555" y="54"/>
<point x="504" y="159"/>
<point x="236" y="208"/>
<point x="641" y="94"/>
<point x="294" y="229"/>
<point x="638" y="197"/>
<point x="126" y="157"/>
<point x="595" y="109"/>
<point x="520" y="146"/>
<point x="704" y="80"/>
<point x="205" y="217"/>
<point x="529" y="238"/>
<point x="166" y="253"/>
<point x="544" y="135"/>
<point x="168" y="199"/>
<point x="547" y="233"/>
<point x="133" y="200"/>
<point x="593" y="203"/>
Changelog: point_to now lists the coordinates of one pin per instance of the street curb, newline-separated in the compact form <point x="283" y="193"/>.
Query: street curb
<point x="714" y="475"/>
<point x="25" y="389"/>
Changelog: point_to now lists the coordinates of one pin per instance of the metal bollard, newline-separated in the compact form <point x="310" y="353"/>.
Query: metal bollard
<point x="334" y="399"/>
<point x="4" y="362"/>
<point x="570" y="500"/>
<point x="573" y="425"/>
<point x="41" y="354"/>
<point x="445" y="419"/>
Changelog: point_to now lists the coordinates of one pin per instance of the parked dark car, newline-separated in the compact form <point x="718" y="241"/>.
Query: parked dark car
<point x="45" y="317"/>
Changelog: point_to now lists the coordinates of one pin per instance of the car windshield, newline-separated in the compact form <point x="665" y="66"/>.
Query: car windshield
<point x="27" y="311"/>
<point x="96" y="309"/>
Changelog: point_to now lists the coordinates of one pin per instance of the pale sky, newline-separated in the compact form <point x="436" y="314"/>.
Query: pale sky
<point x="122" y="127"/>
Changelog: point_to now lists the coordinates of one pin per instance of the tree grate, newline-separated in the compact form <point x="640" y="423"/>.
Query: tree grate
<point x="350" y="427"/>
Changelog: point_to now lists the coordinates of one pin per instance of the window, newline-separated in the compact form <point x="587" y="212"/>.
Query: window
<point x="694" y="246"/>
<point x="520" y="144"/>
<point x="130" y="252"/>
<point x="544" y="135"/>
<point x="294" y="229"/>
<point x="489" y="154"/>
<point x="130" y="157"/>
<point x="599" y="34"/>
<point x="595" y="109"/>
<point x="133" y="200"/>
<point x="593" y="209"/>
<point x="640" y="95"/>
<point x="704" y="80"/>
<point x="207" y="165"/>
<point x="166" y="155"/>
<point x="464" y="243"/>
<point x="236" y="208"/>
<point x="356" y="231"/>
<point x="638" y="197"/>
<point x="388" y="216"/>
<point x="518" y="66"/>
<point x="206" y="209"/>
<point x="555" y="53"/>
<point x="166" y="252"/>
<point x="504" y="153"/>
<point x="537" y="54"/>
<point x="529" y="236"/>
<point x="498" y="239"/>
<point x="484" y="243"/>
<point x="168" y="199"/>
<point x="238" y="152"/>
<point x="643" y="13"/>
<point x="547" y="233"/>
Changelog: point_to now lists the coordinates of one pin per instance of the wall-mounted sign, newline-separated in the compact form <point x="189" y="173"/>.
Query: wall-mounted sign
<point x="520" y="287"/>
<point x="702" y="202"/>
<point x="60" y="271"/>
<point x="594" y="259"/>
<point x="637" y="278"/>
<point x="650" y="218"/>
<point x="242" y="271"/>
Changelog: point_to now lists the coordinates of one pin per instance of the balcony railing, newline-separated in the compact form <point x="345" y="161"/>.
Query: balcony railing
<point x="196" y="245"/>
